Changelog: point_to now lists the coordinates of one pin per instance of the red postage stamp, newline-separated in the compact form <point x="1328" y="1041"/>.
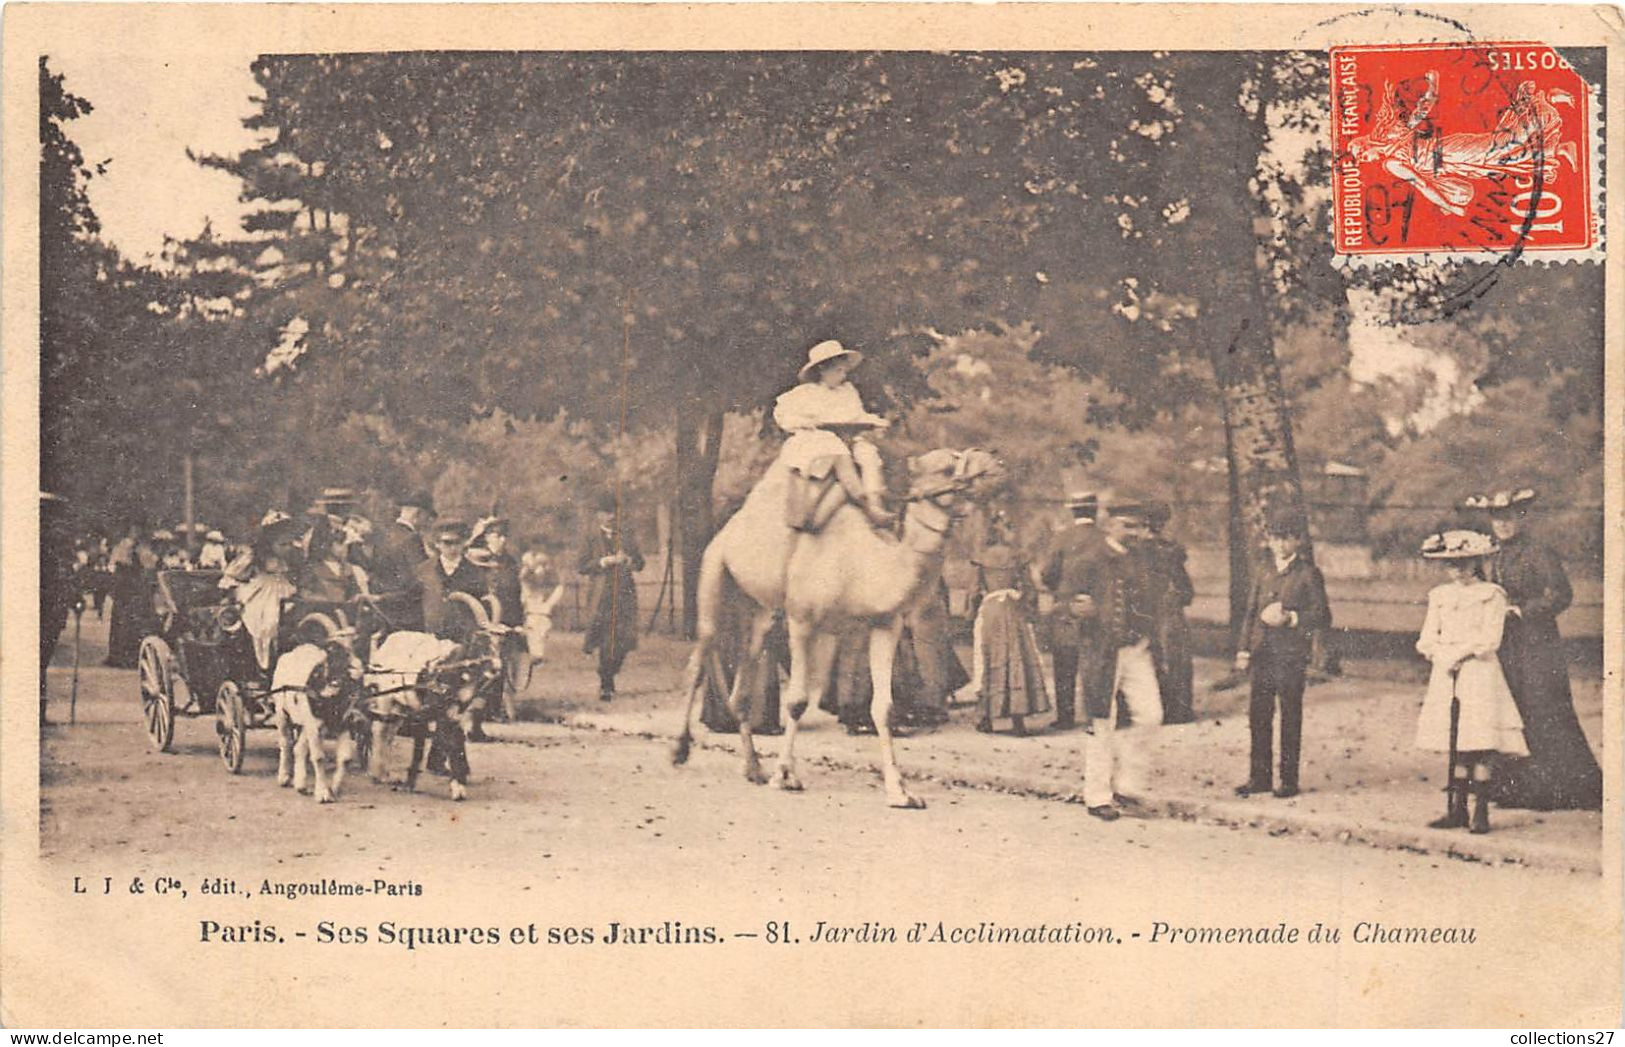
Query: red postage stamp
<point x="1462" y="149"/>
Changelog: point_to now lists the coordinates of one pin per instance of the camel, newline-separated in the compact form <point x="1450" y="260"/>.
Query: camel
<point x="844" y="573"/>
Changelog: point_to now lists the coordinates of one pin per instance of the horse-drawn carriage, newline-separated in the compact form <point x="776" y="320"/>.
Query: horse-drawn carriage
<point x="200" y="662"/>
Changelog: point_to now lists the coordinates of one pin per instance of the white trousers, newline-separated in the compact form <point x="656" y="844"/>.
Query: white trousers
<point x="1114" y="758"/>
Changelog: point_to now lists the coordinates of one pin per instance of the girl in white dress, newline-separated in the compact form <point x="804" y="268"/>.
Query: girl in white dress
<point x="1460" y="636"/>
<point x="814" y="410"/>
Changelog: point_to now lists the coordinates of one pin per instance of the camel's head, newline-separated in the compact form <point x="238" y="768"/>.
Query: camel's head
<point x="945" y="474"/>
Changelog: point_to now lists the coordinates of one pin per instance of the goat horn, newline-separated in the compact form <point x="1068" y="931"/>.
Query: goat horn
<point x="481" y="619"/>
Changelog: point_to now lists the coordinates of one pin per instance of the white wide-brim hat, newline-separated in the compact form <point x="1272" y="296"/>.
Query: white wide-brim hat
<point x="824" y="352"/>
<point x="1457" y="545"/>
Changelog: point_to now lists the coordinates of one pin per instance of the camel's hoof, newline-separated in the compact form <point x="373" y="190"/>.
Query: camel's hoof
<point x="284" y="782"/>
<point x="458" y="793"/>
<point x="788" y="781"/>
<point x="679" y="752"/>
<point x="755" y="776"/>
<point x="302" y="790"/>
<point x="323" y="796"/>
<point x="907" y="802"/>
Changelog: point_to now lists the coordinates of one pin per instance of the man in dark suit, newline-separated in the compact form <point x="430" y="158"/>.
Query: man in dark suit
<point x="1171" y="593"/>
<point x="449" y="571"/>
<point x="1286" y="608"/>
<point x="400" y="552"/>
<point x="1071" y="560"/>
<point x="609" y="559"/>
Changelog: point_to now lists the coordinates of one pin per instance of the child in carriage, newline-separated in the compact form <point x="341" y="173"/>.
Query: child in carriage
<point x="814" y="413"/>
<point x="1460" y="636"/>
<point x="262" y="578"/>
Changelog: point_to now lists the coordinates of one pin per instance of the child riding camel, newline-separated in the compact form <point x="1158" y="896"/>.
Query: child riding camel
<point x="819" y="414"/>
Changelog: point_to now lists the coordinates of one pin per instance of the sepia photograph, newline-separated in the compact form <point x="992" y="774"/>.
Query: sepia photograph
<point x="811" y="515"/>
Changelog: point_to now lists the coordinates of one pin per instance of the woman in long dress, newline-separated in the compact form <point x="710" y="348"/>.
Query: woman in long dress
<point x="1461" y="637"/>
<point x="1561" y="772"/>
<point x="1006" y="668"/>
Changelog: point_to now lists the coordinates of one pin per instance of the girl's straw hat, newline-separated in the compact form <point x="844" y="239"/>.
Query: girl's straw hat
<point x="824" y="352"/>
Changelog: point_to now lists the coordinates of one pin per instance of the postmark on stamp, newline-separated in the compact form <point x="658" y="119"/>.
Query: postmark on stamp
<point x="1463" y="150"/>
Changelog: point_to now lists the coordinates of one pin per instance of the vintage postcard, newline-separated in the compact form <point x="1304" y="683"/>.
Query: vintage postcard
<point x="811" y="515"/>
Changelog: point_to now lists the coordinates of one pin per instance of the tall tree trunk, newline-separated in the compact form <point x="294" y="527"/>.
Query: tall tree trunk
<point x="1257" y="420"/>
<point x="699" y="441"/>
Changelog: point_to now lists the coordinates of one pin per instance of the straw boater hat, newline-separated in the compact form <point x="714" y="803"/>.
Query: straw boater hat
<point x="1457" y="545"/>
<point x="823" y="353"/>
<point x="1503" y="502"/>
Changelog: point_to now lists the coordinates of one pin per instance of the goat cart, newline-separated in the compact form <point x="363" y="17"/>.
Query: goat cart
<point x="201" y="661"/>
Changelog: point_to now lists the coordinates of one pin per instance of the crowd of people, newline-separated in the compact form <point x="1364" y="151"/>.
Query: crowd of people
<point x="1106" y="600"/>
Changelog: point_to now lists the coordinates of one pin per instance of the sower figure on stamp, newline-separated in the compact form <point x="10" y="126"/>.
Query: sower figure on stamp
<point x="1287" y="607"/>
<point x="1071" y="558"/>
<point x="1119" y="677"/>
<point x="609" y="559"/>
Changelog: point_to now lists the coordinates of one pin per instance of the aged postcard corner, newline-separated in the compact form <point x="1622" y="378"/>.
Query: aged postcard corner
<point x="1160" y="469"/>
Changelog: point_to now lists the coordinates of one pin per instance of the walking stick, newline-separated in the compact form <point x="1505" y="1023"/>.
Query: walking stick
<point x="73" y="695"/>
<point x="1455" y="725"/>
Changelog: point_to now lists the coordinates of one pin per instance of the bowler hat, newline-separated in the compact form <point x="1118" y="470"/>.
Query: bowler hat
<point x="823" y="353"/>
<point x="1285" y="521"/>
<point x="420" y="499"/>
<point x="451" y="529"/>
<point x="1085" y="505"/>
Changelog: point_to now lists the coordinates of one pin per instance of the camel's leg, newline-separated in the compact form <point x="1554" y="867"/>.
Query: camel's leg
<point x="739" y="696"/>
<point x="693" y="680"/>
<point x="882" y="653"/>
<point x="812" y="658"/>
<point x="795" y="697"/>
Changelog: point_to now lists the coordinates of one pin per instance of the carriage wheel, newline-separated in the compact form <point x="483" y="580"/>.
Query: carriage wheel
<point x="231" y="724"/>
<point x="157" y="697"/>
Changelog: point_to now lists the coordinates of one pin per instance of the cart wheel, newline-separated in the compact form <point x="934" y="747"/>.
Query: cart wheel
<point x="157" y="699"/>
<point x="231" y="724"/>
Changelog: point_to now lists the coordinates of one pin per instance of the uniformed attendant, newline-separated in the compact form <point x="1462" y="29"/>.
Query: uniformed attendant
<point x="609" y="559"/>
<point x="1171" y="593"/>
<point x="1119" y="677"/>
<point x="448" y="571"/>
<point x="401" y="550"/>
<point x="1071" y="558"/>
<point x="1286" y="608"/>
<point x="1561" y="772"/>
